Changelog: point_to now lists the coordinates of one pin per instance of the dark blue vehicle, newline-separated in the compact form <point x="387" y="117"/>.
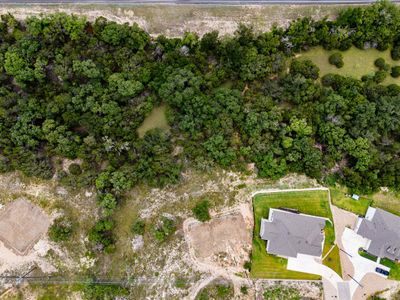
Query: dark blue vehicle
<point x="382" y="271"/>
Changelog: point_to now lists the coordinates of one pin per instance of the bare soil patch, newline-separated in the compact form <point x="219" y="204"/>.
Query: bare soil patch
<point x="21" y="225"/>
<point x="224" y="241"/>
<point x="373" y="284"/>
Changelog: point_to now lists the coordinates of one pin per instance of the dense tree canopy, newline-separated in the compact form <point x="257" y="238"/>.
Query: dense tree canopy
<point x="75" y="89"/>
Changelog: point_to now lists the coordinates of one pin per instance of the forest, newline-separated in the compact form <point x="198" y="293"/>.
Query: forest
<point x="76" y="89"/>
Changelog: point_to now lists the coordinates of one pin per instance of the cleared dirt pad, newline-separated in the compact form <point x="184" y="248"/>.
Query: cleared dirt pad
<point x="224" y="241"/>
<point x="21" y="225"/>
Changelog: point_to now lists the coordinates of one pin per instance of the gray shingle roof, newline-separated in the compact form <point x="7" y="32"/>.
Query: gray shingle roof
<point x="289" y="233"/>
<point x="384" y="232"/>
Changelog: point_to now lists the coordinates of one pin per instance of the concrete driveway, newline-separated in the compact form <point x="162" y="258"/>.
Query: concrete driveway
<point x="309" y="264"/>
<point x="351" y="242"/>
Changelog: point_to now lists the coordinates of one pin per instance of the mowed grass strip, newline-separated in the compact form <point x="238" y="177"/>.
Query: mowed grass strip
<point x="265" y="265"/>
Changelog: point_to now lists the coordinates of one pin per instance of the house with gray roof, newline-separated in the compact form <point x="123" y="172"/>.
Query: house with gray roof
<point x="288" y="233"/>
<point x="382" y="229"/>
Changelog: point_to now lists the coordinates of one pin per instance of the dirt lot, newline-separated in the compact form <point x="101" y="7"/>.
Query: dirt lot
<point x="224" y="241"/>
<point x="175" y="20"/>
<point x="21" y="225"/>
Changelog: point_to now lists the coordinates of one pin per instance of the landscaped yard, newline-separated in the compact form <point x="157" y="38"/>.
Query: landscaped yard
<point x="356" y="62"/>
<point x="339" y="199"/>
<point x="394" y="268"/>
<point x="333" y="260"/>
<point x="314" y="203"/>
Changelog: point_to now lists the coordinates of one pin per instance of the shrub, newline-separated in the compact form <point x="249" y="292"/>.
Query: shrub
<point x="180" y="283"/>
<point x="101" y="234"/>
<point x="380" y="76"/>
<point x="138" y="227"/>
<point x="336" y="59"/>
<point x="381" y="64"/>
<point x="328" y="80"/>
<point x="94" y="291"/>
<point x="395" y="53"/>
<point x="164" y="229"/>
<point x="201" y="212"/>
<point x="75" y="169"/>
<point x="395" y="72"/>
<point x="247" y="265"/>
<point x="60" y="230"/>
<point x="108" y="202"/>
<point x="243" y="290"/>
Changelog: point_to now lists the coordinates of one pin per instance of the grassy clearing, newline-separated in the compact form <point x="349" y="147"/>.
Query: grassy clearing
<point x="394" y="268"/>
<point x="356" y="62"/>
<point x="339" y="199"/>
<point x="389" y="201"/>
<point x="156" y="119"/>
<point x="332" y="260"/>
<point x="314" y="203"/>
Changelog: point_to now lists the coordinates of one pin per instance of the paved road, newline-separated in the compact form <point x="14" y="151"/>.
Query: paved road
<point x="208" y="2"/>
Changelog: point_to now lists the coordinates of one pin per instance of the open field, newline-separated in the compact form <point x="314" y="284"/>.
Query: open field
<point x="265" y="265"/>
<point x="356" y="62"/>
<point x="175" y="20"/>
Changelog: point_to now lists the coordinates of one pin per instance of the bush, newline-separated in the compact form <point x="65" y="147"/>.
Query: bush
<point x="138" y="227"/>
<point x="60" y="230"/>
<point x="336" y="59"/>
<point x="395" y="53"/>
<point x="181" y="283"/>
<point x="94" y="291"/>
<point x="101" y="235"/>
<point x="328" y="80"/>
<point x="164" y="229"/>
<point x="247" y="265"/>
<point x="380" y="76"/>
<point x="243" y="290"/>
<point x="395" y="72"/>
<point x="381" y="64"/>
<point x="75" y="169"/>
<point x="108" y="202"/>
<point x="201" y="212"/>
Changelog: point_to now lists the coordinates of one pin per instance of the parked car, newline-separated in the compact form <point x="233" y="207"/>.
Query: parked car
<point x="382" y="271"/>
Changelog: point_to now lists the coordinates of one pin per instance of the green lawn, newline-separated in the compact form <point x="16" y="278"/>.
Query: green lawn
<point x="339" y="199"/>
<point x="389" y="201"/>
<point x="315" y="203"/>
<point x="356" y="62"/>
<point x="365" y="254"/>
<point x="332" y="260"/>
<point x="394" y="268"/>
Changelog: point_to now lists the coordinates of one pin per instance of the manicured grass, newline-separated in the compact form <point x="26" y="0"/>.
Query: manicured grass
<point x="314" y="203"/>
<point x="365" y="254"/>
<point x="394" y="268"/>
<point x="329" y="237"/>
<point x="156" y="119"/>
<point x="333" y="261"/>
<point x="356" y="62"/>
<point x="339" y="199"/>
